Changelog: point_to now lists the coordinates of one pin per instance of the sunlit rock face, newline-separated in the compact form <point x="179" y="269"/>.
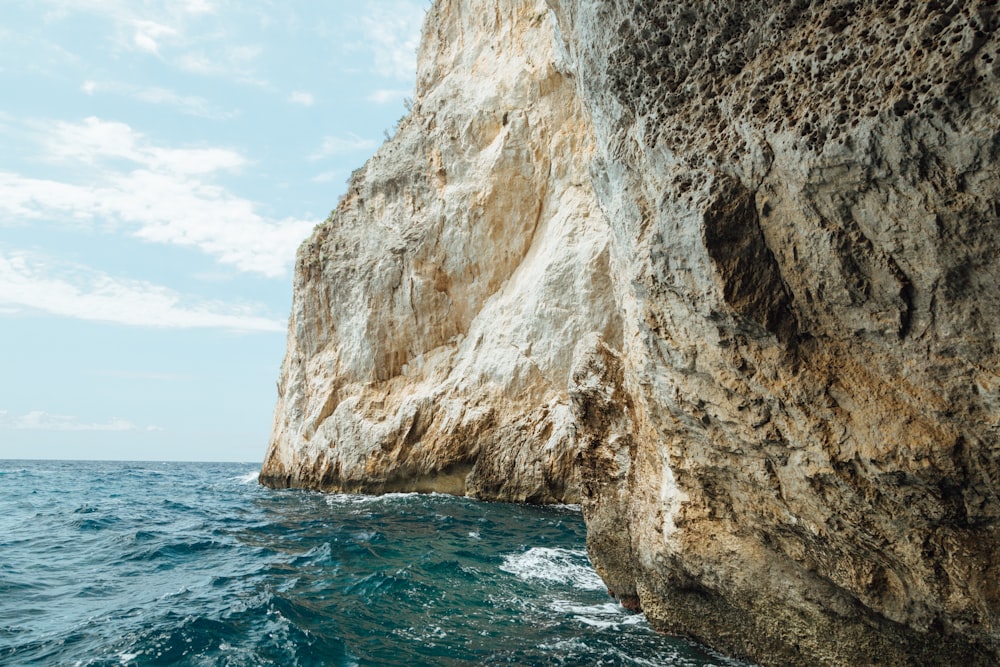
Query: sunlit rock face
<point x="436" y="313"/>
<point x="726" y="273"/>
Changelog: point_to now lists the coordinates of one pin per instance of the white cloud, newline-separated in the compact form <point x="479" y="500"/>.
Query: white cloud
<point x="190" y="34"/>
<point x="162" y="195"/>
<point x="244" y="54"/>
<point x="38" y="420"/>
<point x="145" y="43"/>
<point x="305" y="99"/>
<point x="328" y="176"/>
<point x="147" y="35"/>
<point x="236" y="62"/>
<point x="198" y="7"/>
<point x="387" y="95"/>
<point x="188" y="104"/>
<point x="94" y="140"/>
<point x="340" y="145"/>
<point x="29" y="282"/>
<point x="392" y="33"/>
<point x="199" y="63"/>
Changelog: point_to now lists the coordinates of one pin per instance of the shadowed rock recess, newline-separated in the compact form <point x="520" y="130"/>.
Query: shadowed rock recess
<point x="725" y="273"/>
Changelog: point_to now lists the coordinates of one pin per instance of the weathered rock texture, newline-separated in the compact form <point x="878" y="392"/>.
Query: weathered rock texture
<point x="436" y="312"/>
<point x="727" y="272"/>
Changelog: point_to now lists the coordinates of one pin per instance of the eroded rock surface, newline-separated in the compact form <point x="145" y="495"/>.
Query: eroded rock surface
<point x="435" y="314"/>
<point x="726" y="272"/>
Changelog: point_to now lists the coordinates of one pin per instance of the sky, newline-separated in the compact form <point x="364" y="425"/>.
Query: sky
<point x="160" y="162"/>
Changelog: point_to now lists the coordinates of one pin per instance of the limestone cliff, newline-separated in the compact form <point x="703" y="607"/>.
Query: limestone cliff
<point x="726" y="272"/>
<point x="436" y="313"/>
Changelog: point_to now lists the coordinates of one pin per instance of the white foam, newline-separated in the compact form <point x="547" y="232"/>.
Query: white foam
<point x="127" y="657"/>
<point x="338" y="499"/>
<point x="426" y="635"/>
<point x="669" y="658"/>
<point x="567" y="506"/>
<point x="560" y="566"/>
<point x="564" y="646"/>
<point x="248" y="478"/>
<point x="609" y="615"/>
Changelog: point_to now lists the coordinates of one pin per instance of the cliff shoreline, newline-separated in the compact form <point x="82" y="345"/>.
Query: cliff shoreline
<point x="724" y="273"/>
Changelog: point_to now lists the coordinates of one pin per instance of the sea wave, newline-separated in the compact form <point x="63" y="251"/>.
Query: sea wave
<point x="607" y="615"/>
<point x="556" y="565"/>
<point x="198" y="565"/>
<point x="247" y="478"/>
<point x="341" y="499"/>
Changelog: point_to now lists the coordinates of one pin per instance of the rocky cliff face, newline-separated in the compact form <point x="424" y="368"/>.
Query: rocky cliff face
<point x="436" y="313"/>
<point x="726" y="272"/>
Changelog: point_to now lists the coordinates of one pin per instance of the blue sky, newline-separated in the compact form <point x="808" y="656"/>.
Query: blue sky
<point x="160" y="161"/>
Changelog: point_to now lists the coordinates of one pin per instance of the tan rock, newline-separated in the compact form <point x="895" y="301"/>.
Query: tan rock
<point x="435" y="314"/>
<point x="726" y="272"/>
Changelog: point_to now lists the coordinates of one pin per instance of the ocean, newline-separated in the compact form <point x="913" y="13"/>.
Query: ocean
<point x="115" y="563"/>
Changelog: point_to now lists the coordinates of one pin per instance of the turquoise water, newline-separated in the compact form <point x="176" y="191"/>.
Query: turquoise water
<point x="196" y="564"/>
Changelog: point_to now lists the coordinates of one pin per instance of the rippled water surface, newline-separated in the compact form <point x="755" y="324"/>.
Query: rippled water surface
<point x="195" y="564"/>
